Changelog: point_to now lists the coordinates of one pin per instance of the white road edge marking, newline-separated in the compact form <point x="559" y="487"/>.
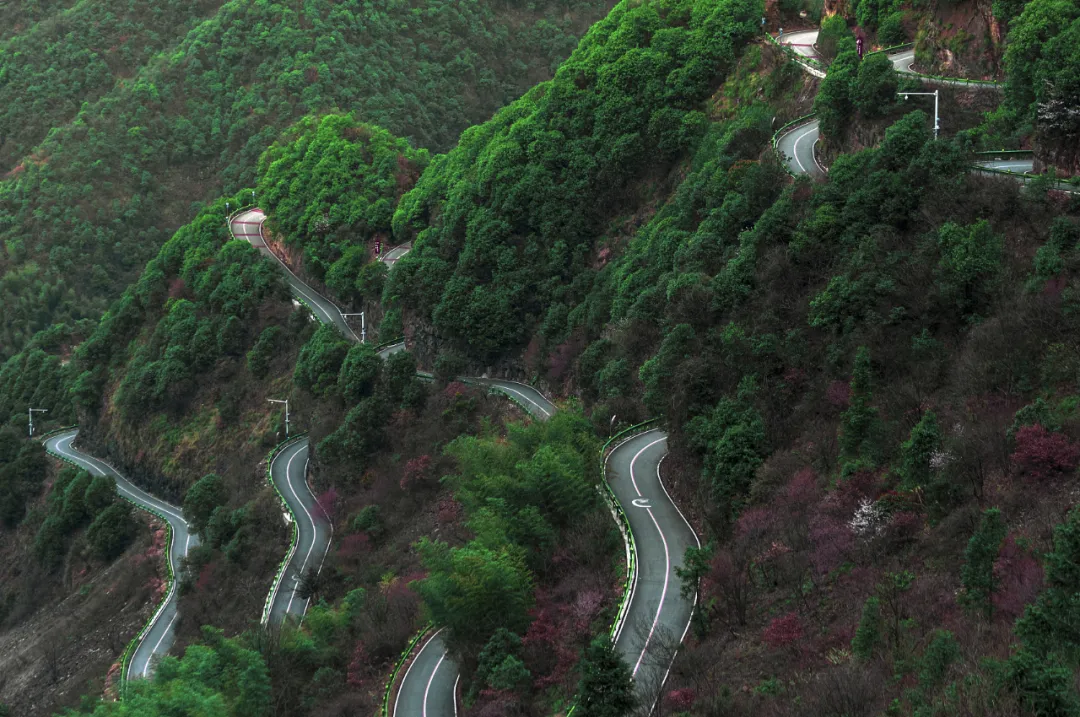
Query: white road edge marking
<point x="432" y="679"/>
<point x="314" y="530"/>
<point x="412" y="665"/>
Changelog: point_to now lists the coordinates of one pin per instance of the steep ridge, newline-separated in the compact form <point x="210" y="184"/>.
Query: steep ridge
<point x="658" y="615"/>
<point x="157" y="638"/>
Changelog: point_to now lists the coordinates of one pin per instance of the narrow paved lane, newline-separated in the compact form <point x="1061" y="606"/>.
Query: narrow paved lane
<point x="288" y="470"/>
<point x="162" y="633"/>
<point x="797" y="149"/>
<point x="248" y="225"/>
<point x="429" y="687"/>
<point x="659" y="615"/>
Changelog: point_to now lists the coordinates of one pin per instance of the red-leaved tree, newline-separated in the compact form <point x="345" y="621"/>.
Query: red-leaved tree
<point x="1041" y="454"/>
<point x="681" y="700"/>
<point x="417" y="471"/>
<point x="783" y="631"/>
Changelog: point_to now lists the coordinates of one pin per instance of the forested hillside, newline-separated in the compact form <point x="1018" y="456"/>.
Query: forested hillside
<point x="192" y="110"/>
<point x="869" y="384"/>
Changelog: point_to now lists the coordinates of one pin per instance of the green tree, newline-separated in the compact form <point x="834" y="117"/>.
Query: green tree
<point x="320" y="361"/>
<point x="970" y="264"/>
<point x="606" y="688"/>
<point x="834" y="31"/>
<point x="1049" y="624"/>
<point x="112" y="531"/>
<point x="917" y="452"/>
<point x="474" y="591"/>
<point x="202" y="498"/>
<point x="977" y="575"/>
<point x="868" y="634"/>
<point x="834" y="103"/>
<point x="359" y="373"/>
<point x="859" y="423"/>
<point x="874" y="92"/>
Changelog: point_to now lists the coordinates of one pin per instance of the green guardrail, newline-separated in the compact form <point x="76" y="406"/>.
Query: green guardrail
<point x="399" y="664"/>
<point x="387" y="344"/>
<point x="170" y="581"/>
<point x="892" y="48"/>
<point x="56" y="431"/>
<point x="294" y="532"/>
<point x="1011" y="152"/>
<point x="780" y="132"/>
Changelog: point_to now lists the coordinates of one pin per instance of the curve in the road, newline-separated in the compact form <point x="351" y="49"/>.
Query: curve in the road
<point x="657" y="614"/>
<point x="288" y="471"/>
<point x="160" y="634"/>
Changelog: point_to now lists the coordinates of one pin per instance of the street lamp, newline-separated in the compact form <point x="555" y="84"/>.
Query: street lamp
<point x="363" y="326"/>
<point x="611" y="425"/>
<point x="937" y="121"/>
<point x="252" y="197"/>
<point x="286" y="402"/>
<point x="30" y="412"/>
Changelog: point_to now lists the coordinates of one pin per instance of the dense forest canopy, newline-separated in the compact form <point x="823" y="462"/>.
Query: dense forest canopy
<point x="81" y="212"/>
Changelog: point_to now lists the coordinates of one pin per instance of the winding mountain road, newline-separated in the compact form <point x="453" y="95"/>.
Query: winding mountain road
<point x="658" y="615"/>
<point x="314" y="532"/>
<point x="161" y="634"/>
<point x="796" y="145"/>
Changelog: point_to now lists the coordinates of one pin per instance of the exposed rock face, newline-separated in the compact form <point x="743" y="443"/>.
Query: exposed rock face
<point x="961" y="40"/>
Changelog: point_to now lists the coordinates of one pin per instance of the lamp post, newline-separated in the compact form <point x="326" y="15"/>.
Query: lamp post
<point x="937" y="120"/>
<point x="252" y="197"/>
<point x="30" y="413"/>
<point x="286" y="402"/>
<point x="363" y="326"/>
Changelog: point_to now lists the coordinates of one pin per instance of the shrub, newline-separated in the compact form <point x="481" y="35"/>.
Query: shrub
<point x="1040" y="455"/>
<point x="112" y="531"/>
<point x="202" y="498"/>
<point x="868" y="634"/>
<point x="891" y="31"/>
<point x="783" y="631"/>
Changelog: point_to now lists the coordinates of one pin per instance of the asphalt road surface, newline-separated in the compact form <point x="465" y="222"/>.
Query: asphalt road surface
<point x="797" y="148"/>
<point x="288" y="470"/>
<point x="159" y="638"/>
<point x="659" y="615"/>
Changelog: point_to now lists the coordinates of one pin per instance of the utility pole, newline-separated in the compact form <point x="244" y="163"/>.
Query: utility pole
<point x="363" y="326"/>
<point x="30" y="413"/>
<point x="252" y="197"/>
<point x="937" y="119"/>
<point x="286" y="402"/>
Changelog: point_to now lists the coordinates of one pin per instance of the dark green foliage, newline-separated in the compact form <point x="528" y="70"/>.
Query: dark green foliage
<point x="891" y="30"/>
<point x="475" y="591"/>
<point x="359" y="373"/>
<point x="1049" y="625"/>
<point x="504" y="222"/>
<point x="606" y="688"/>
<point x="732" y="442"/>
<point x="360" y="435"/>
<point x="940" y="654"/>
<point x="499" y="663"/>
<point x="331" y="181"/>
<point x="874" y="93"/>
<point x="835" y="101"/>
<point x="1041" y="60"/>
<point x="970" y="265"/>
<point x="860" y="421"/>
<point x="977" y="575"/>
<point x="22" y="469"/>
<point x="202" y="499"/>
<point x="76" y="500"/>
<point x="321" y="360"/>
<point x="112" y="531"/>
<point x="195" y="105"/>
<point x="218" y="676"/>
<point x="260" y="355"/>
<point x="369" y="520"/>
<point x="1044" y="686"/>
<point x="917" y="452"/>
<point x="834" y="31"/>
<point x="1057" y="255"/>
<point x="868" y="635"/>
